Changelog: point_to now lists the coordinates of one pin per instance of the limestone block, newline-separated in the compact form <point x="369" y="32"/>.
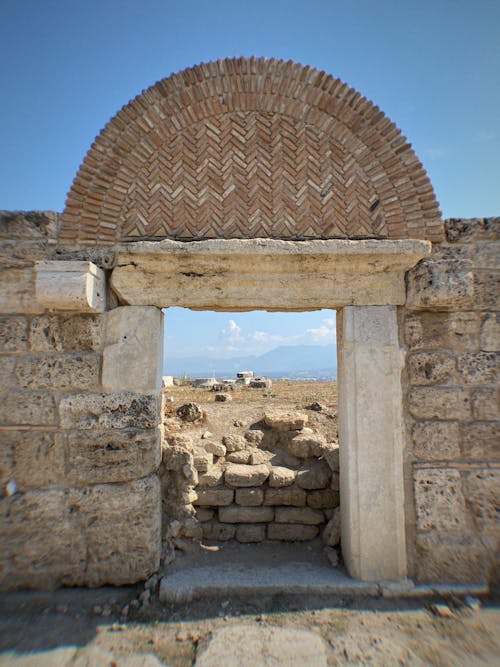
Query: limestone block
<point x="212" y="477"/>
<point x="13" y="334"/>
<point x="215" y="448"/>
<point x="280" y="476"/>
<point x="176" y="458"/>
<point x="251" y="497"/>
<point x="335" y="481"/>
<point x="285" y="420"/>
<point x="243" y="456"/>
<point x="70" y="285"/>
<point x="32" y="459"/>
<point x="66" y="333"/>
<point x="291" y="532"/>
<point x="204" y="514"/>
<point x="254" y="437"/>
<point x="17" y="292"/>
<point x="482" y="493"/>
<point x="246" y="533"/>
<point x="428" y="368"/>
<point x="289" y="495"/>
<point x="463" y="560"/>
<point x="119" y="410"/>
<point x="307" y="445"/>
<point x="239" y="514"/>
<point x="486" y="404"/>
<point x="305" y="515"/>
<point x="478" y="367"/>
<point x="332" y="456"/>
<point x="202" y="460"/>
<point x="258" y="456"/>
<point x="332" y="531"/>
<point x="439" y="285"/>
<point x="439" y="500"/>
<point x="97" y="457"/>
<point x="436" y="440"/>
<point x="490" y="333"/>
<point x="219" y="532"/>
<point x="486" y="290"/>
<point x="481" y="441"/>
<point x="27" y="408"/>
<point x="189" y="412"/>
<point x="182" y="440"/>
<point x="439" y="403"/>
<point x="121" y="527"/>
<point x="447" y="331"/>
<point x="460" y="230"/>
<point x="59" y="372"/>
<point x="235" y="443"/>
<point x="214" y="497"/>
<point x="245" y="475"/>
<point x="315" y="475"/>
<point x="133" y="350"/>
<point x="323" y="499"/>
<point x="487" y="256"/>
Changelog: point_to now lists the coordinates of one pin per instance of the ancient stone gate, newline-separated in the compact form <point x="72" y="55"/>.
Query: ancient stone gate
<point x="193" y="182"/>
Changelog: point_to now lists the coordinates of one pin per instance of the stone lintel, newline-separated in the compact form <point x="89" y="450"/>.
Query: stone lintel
<point x="70" y="286"/>
<point x="266" y="274"/>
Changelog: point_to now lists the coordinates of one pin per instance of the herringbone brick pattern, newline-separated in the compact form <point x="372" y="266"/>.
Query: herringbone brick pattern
<point x="249" y="148"/>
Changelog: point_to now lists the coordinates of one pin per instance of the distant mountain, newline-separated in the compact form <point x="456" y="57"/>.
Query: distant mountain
<point x="292" y="361"/>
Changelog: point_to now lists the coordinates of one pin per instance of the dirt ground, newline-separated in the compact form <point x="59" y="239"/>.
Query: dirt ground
<point x="38" y="628"/>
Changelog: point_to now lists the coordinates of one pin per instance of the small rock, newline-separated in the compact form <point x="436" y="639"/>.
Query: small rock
<point x="331" y="532"/>
<point x="441" y="610"/>
<point x="215" y="448"/>
<point x="223" y="398"/>
<point x="151" y="583"/>
<point x="317" y="407"/>
<point x="10" y="487"/>
<point x="145" y="597"/>
<point x="234" y="443"/>
<point x="258" y="456"/>
<point x="280" y="476"/>
<point x="332" y="556"/>
<point x="285" y="420"/>
<point x="239" y="457"/>
<point x="189" y="412"/>
<point x="206" y="435"/>
<point x="254" y="436"/>
<point x="238" y="423"/>
<point x="134" y="604"/>
<point x="97" y="609"/>
<point x="472" y="603"/>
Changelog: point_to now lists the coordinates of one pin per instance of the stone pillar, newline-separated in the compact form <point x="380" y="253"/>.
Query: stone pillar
<point x="371" y="443"/>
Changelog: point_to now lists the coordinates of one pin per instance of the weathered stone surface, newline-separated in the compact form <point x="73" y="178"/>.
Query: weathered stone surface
<point x="245" y="475"/>
<point x="289" y="495"/>
<point x="132" y="357"/>
<point x="459" y="560"/>
<point x="214" y="497"/>
<point x="242" y="456"/>
<point x="258" y="456"/>
<point x="439" y="402"/>
<point x="120" y="410"/>
<point x="323" y="499"/>
<point x="219" y="532"/>
<point x="285" y="420"/>
<point x="96" y="457"/>
<point x="481" y="440"/>
<point x="189" y="412"/>
<point x="246" y="533"/>
<point x="482" y="493"/>
<point x="254" y="436"/>
<point x="436" y="440"/>
<point x="304" y="515"/>
<point x="428" y="368"/>
<point x="13" y="334"/>
<point x="215" y="448"/>
<point x="315" y="475"/>
<point x="235" y="443"/>
<point x="332" y="456"/>
<point x="33" y="459"/>
<point x="291" y="532"/>
<point x="239" y="514"/>
<point x="335" y="481"/>
<point x="439" y="285"/>
<point x="307" y="445"/>
<point x="182" y="440"/>
<point x="486" y="404"/>
<point x="447" y="331"/>
<point x="66" y="333"/>
<point x="17" y="287"/>
<point x="27" y="408"/>
<point x="25" y="225"/>
<point x="223" y="398"/>
<point x="478" y="367"/>
<point x="280" y="476"/>
<point x="486" y="290"/>
<point x="212" y="477"/>
<point x="459" y="230"/>
<point x="439" y="500"/>
<point x="331" y="533"/>
<point x="202" y="460"/>
<point x="78" y="286"/>
<point x="59" y="373"/>
<point x="490" y="334"/>
<point x="250" y="497"/>
<point x="204" y="513"/>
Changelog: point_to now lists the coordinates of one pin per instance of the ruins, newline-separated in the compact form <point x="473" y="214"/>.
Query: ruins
<point x="203" y="176"/>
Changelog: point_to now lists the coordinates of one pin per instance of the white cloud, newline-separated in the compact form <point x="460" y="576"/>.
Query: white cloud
<point x="325" y="334"/>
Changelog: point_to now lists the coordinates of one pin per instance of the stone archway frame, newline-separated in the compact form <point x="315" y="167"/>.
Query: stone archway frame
<point x="365" y="279"/>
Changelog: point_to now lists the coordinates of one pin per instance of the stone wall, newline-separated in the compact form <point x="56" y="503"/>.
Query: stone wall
<point x="451" y="328"/>
<point x="79" y="490"/>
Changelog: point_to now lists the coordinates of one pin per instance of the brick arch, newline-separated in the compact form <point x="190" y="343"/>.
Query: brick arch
<point x="246" y="148"/>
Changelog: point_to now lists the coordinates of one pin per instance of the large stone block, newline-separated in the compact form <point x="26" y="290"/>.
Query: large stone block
<point x="70" y="286"/>
<point x="304" y="515"/>
<point x="482" y="493"/>
<point x="247" y="533"/>
<point x="97" y="457"/>
<point x="17" y="290"/>
<point x="315" y="475"/>
<point x="246" y="475"/>
<point x="291" y="532"/>
<point x="463" y="560"/>
<point x="439" y="403"/>
<point x="490" y="333"/>
<point x="235" y="443"/>
<point x="307" y="445"/>
<point x="446" y="331"/>
<point x="478" y="367"/>
<point x="436" y="440"/>
<point x="120" y="410"/>
<point x="251" y="497"/>
<point x="219" y="532"/>
<point x="428" y="368"/>
<point x="459" y="230"/>
<point x="66" y="333"/>
<point x="32" y="459"/>
<point x="289" y="495"/>
<point x="239" y="514"/>
<point x="285" y="420"/>
<point x="486" y="404"/>
<point x="59" y="372"/>
<point x="321" y="499"/>
<point x="481" y="441"/>
<point x="13" y="334"/>
<point x="133" y="349"/>
<point x="439" y="285"/>
<point x="27" y="408"/>
<point x="439" y="501"/>
<point x="280" y="476"/>
<point x="486" y="290"/>
<point x="212" y="477"/>
<point x="214" y="497"/>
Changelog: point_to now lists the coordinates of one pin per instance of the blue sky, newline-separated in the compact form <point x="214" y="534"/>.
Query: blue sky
<point x="433" y="66"/>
